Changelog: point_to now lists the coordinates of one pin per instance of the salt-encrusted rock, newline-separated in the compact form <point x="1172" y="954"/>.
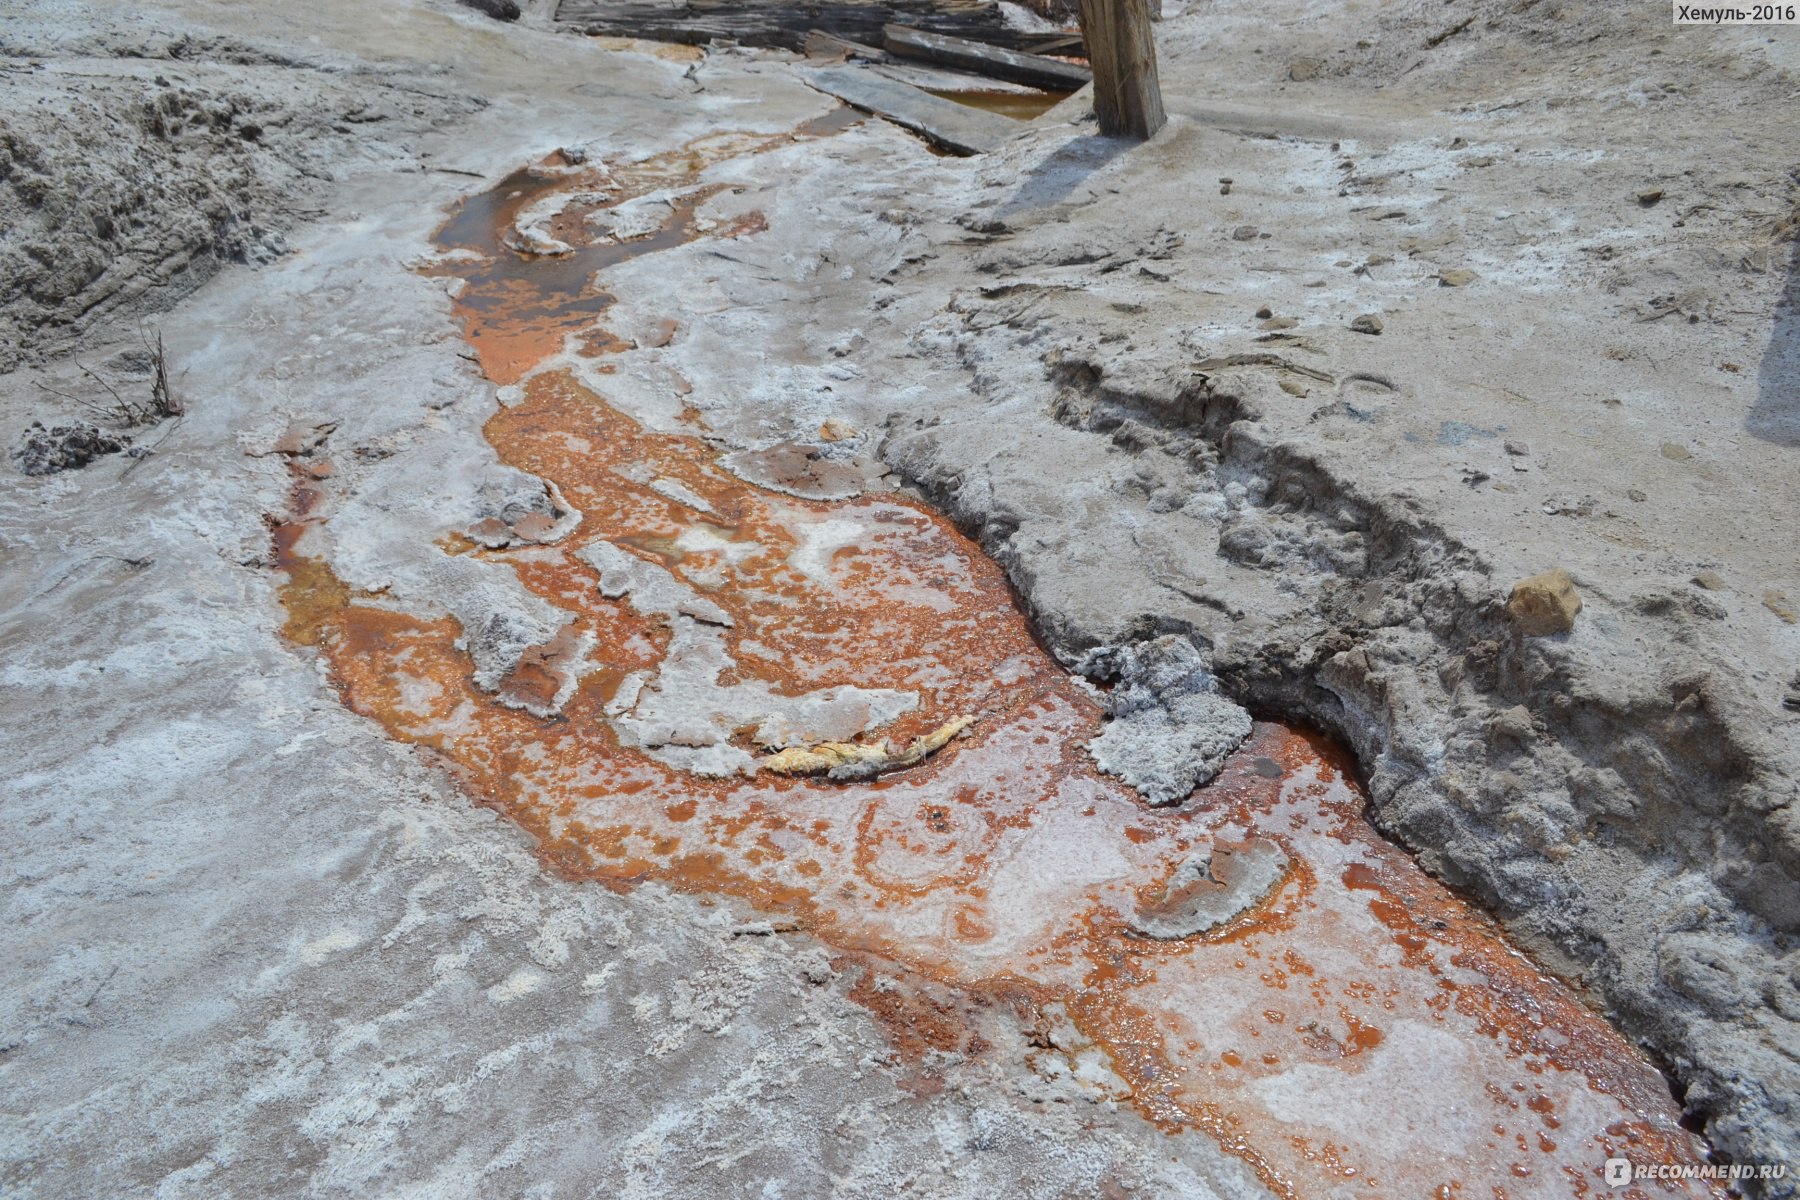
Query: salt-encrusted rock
<point x="65" y="447"/>
<point x="1170" y="729"/>
<point x="683" y="715"/>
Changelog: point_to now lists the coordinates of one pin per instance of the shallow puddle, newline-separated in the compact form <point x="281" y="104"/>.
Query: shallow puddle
<point x="1256" y="962"/>
<point x="1020" y="106"/>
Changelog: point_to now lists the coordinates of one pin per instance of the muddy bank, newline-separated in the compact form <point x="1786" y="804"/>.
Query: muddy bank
<point x="138" y="158"/>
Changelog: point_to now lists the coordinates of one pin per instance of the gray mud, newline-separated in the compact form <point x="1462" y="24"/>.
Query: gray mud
<point x="138" y="157"/>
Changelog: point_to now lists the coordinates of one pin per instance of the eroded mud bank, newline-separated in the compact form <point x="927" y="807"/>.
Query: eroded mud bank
<point x="1254" y="962"/>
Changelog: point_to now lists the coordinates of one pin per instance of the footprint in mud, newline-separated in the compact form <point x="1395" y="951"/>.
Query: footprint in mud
<point x="1255" y="962"/>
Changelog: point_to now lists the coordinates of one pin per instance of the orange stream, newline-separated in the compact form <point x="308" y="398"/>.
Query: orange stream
<point x="1360" y="1032"/>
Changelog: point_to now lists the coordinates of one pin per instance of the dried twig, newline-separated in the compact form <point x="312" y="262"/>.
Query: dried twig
<point x="162" y="399"/>
<point x="1443" y="35"/>
<point x="120" y="401"/>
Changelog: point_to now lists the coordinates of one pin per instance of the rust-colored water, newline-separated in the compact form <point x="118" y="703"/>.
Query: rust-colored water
<point x="1360" y="1031"/>
<point x="1020" y="106"/>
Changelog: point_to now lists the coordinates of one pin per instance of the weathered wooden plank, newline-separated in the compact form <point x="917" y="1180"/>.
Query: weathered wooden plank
<point x="819" y="44"/>
<point x="1014" y="66"/>
<point x="955" y="127"/>
<point x="785" y="23"/>
<point x="1122" y="49"/>
<point x="1066" y="44"/>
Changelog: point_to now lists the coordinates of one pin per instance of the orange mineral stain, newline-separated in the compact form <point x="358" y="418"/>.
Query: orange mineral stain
<point x="1345" y="1034"/>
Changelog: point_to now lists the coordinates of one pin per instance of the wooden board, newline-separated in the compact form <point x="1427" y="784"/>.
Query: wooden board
<point x="824" y="45"/>
<point x="1067" y="44"/>
<point x="785" y="24"/>
<point x="1014" y="66"/>
<point x="953" y="126"/>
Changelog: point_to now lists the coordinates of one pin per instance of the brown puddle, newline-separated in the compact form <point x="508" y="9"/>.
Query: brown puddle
<point x="1020" y="106"/>
<point x="1356" y="1031"/>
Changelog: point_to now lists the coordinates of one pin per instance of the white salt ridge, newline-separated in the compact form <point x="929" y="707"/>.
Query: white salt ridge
<point x="682" y="715"/>
<point x="819" y="543"/>
<point x="679" y="492"/>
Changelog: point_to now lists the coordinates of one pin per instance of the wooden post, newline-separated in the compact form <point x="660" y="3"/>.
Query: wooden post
<point x="1127" y="97"/>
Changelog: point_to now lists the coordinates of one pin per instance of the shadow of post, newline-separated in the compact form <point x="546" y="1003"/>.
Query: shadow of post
<point x="1775" y="417"/>
<point x="1053" y="179"/>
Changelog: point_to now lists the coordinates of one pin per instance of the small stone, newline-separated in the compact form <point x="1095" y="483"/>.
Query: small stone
<point x="1265" y="312"/>
<point x="1778" y="603"/>
<point x="1456" y="277"/>
<point x="1517" y="449"/>
<point x="1485" y="160"/>
<point x="836" y="429"/>
<point x="1712" y="581"/>
<point x="1544" y="604"/>
<point x="1280" y="323"/>
<point x="1293" y="387"/>
<point x="535" y="528"/>
<point x="660" y="334"/>
<point x="1636" y="494"/>
<point x="1675" y="453"/>
<point x="500" y="10"/>
<point x="1367" y="323"/>
<point x="1303" y="69"/>
<point x="490" y="532"/>
<point x="1512" y="725"/>
<point x="1244" y="233"/>
<point x="1649" y="196"/>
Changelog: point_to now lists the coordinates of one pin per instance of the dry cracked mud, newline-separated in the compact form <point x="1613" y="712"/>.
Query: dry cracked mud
<point x="392" y="740"/>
